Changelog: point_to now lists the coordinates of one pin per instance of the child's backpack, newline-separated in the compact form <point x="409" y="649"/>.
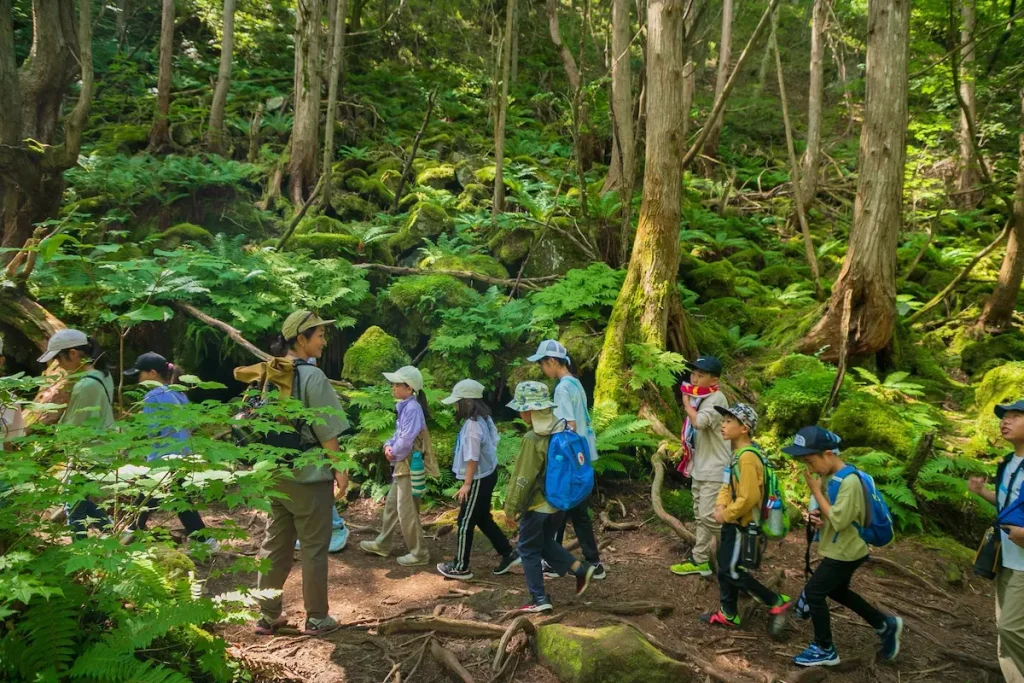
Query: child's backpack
<point x="774" y="520"/>
<point x="257" y="397"/>
<point x="877" y="529"/>
<point x="568" y="474"/>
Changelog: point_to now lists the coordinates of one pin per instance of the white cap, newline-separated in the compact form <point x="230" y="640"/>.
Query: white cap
<point x="406" y="375"/>
<point x="467" y="388"/>
<point x="62" y="341"/>
<point x="549" y="348"/>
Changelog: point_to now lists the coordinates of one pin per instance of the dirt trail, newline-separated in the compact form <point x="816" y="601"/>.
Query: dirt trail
<point x="367" y="588"/>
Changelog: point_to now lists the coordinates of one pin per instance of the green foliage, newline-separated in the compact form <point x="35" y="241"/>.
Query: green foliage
<point x="894" y="387"/>
<point x="980" y="356"/>
<point x="863" y="420"/>
<point x="583" y="294"/>
<point x="796" y="398"/>
<point x="648" y="363"/>
<point x="374" y="353"/>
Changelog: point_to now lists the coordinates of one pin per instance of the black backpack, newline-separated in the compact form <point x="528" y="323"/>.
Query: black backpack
<point x="257" y="397"/>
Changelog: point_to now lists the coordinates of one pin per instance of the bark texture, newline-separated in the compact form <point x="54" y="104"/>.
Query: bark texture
<point x="967" y="176"/>
<point x="305" y="143"/>
<point x="621" y="174"/>
<point x="215" y="134"/>
<point x="333" y="84"/>
<point x="160" y="133"/>
<point x="869" y="270"/>
<point x="499" y="129"/>
<point x="724" y="59"/>
<point x="815" y="91"/>
<point x="640" y="314"/>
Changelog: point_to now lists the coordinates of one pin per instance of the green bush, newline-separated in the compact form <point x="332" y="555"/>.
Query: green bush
<point x="375" y="352"/>
<point x="779" y="276"/>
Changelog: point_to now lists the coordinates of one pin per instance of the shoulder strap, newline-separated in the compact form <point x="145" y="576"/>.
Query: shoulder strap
<point x="96" y="379"/>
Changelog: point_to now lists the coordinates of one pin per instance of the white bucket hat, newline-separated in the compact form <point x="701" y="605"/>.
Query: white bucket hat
<point x="406" y="375"/>
<point x="467" y="388"/>
<point x="63" y="340"/>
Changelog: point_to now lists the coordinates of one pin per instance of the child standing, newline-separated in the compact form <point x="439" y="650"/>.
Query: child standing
<point x="538" y="520"/>
<point x="738" y="504"/>
<point x="839" y="514"/>
<point x="706" y="455"/>
<point x="410" y="436"/>
<point x="475" y="464"/>
<point x="571" y="406"/>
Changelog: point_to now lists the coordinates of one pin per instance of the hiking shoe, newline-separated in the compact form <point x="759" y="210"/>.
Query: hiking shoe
<point x="373" y="547"/>
<point x="339" y="539"/>
<point x="777" y="615"/>
<point x="599" y="573"/>
<point x="316" y="627"/>
<point x="450" y="571"/>
<point x="534" y="607"/>
<point x="817" y="656"/>
<point x="802" y="610"/>
<point x="720" y="618"/>
<point x="507" y="562"/>
<point x="890" y="636"/>
<point x="690" y="568"/>
<point x="203" y="548"/>
<point x="410" y="560"/>
<point x="267" y="627"/>
<point x="549" y="571"/>
<point x="583" y="578"/>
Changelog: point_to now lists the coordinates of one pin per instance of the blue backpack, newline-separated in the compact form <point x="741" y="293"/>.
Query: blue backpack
<point x="568" y="474"/>
<point x="877" y="529"/>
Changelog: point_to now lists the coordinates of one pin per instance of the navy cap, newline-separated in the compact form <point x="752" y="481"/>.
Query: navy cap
<point x="811" y="440"/>
<point x="1002" y="410"/>
<point x="708" y="364"/>
<point x="147" y="361"/>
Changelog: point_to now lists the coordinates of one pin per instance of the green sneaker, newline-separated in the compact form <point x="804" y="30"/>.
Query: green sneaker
<point x="690" y="568"/>
<point x="777" y="614"/>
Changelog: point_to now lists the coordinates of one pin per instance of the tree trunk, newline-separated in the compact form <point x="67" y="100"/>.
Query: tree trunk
<point x="869" y="270"/>
<point x="724" y="57"/>
<point x="514" y="74"/>
<point x="571" y="72"/>
<point x="121" y="23"/>
<point x="160" y="133"/>
<point x="334" y="79"/>
<point x="998" y="313"/>
<point x="968" y="177"/>
<point x="305" y="146"/>
<point x="812" y="155"/>
<point x="10" y="88"/>
<point x="640" y="314"/>
<point x="499" y="129"/>
<point x="766" y="58"/>
<point x="215" y="135"/>
<point x="622" y="171"/>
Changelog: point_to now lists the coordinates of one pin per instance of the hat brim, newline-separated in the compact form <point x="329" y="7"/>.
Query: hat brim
<point x="725" y="411"/>
<point x="321" y="323"/>
<point x="529" y="407"/>
<point x="799" y="451"/>
<point x="131" y="372"/>
<point x="536" y="357"/>
<point x="47" y="357"/>
<point x="393" y="378"/>
<point x="451" y="400"/>
<point x="1002" y="410"/>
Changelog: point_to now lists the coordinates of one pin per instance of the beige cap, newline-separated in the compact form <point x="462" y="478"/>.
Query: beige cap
<point x="467" y="388"/>
<point x="406" y="375"/>
<point x="301" y="321"/>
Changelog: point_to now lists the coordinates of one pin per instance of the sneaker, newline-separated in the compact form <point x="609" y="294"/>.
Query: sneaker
<point x="316" y="627"/>
<point x="890" y="635"/>
<point x="817" y="656"/>
<point x="599" y="573"/>
<point x="339" y="539"/>
<point x="373" y="547"/>
<point x="539" y="606"/>
<point x="507" y="562"/>
<point x="802" y="610"/>
<point x="411" y="560"/>
<point x="690" y="568"/>
<point x="267" y="627"/>
<point x="449" y="571"/>
<point x="205" y="547"/>
<point x="549" y="571"/>
<point x="720" y="618"/>
<point x="583" y="579"/>
<point x="777" y="615"/>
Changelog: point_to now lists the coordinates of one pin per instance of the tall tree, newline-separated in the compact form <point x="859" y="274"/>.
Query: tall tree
<point x="215" y="134"/>
<point x="335" y="70"/>
<point x="998" y="313"/>
<point x="724" y="57"/>
<point x="623" y="169"/>
<point x="815" y="91"/>
<point x="861" y="313"/>
<point x="641" y="311"/>
<point x="160" y="133"/>
<point x="499" y="127"/>
<point x="967" y="176"/>
<point x="305" y="142"/>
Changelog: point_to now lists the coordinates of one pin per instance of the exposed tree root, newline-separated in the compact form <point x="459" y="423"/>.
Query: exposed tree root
<point x="658" y="462"/>
<point x="607" y="523"/>
<point x="521" y="623"/>
<point x="455" y="627"/>
<point x="448" y="659"/>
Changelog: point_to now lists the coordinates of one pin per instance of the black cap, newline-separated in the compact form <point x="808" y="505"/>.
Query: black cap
<point x="812" y="440"/>
<point x="708" y="364"/>
<point x="1002" y="410"/>
<point x="147" y="361"/>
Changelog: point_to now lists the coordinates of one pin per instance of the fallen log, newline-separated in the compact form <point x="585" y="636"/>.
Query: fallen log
<point x="528" y="283"/>
<point x="463" y="628"/>
<point x="448" y="659"/>
<point x="658" y="462"/>
<point x="25" y="315"/>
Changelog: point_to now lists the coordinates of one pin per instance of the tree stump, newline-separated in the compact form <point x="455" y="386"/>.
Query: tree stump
<point x="612" y="654"/>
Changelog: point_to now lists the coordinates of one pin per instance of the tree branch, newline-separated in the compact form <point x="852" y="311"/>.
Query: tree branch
<point x="528" y="283"/>
<point x="233" y="334"/>
<point x="412" y="152"/>
<point x="301" y="212"/>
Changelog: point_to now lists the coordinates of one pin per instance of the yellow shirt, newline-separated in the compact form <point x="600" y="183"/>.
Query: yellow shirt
<point x="839" y="538"/>
<point x="747" y="474"/>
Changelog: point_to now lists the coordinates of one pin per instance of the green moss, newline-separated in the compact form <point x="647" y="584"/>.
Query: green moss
<point x="176" y="235"/>
<point x="583" y="345"/>
<point x="711" y="338"/>
<point x="320" y="224"/>
<point x="419" y="165"/>
<point x="678" y="503"/>
<point x="440" y="143"/>
<point x="795" y="364"/>
<point x="373" y="353"/>
<point x="780" y="276"/>
<point x="795" y="400"/>
<point x="979" y="356"/>
<point x="1003" y="384"/>
<point x="714" y="280"/>
<point x="386" y="164"/>
<point x="420" y="297"/>
<point x="464" y="170"/>
<point x="729" y="311"/>
<point x="351" y="207"/>
<point x="172" y="563"/>
<point x="863" y="420"/>
<point x="326" y="245"/>
<point x="938" y="279"/>
<point x="610" y="654"/>
<point x="353" y="178"/>
<point x="425" y="220"/>
<point x="553" y="254"/>
<point x="512" y="246"/>
<point x="750" y="257"/>
<point x="474" y="263"/>
<point x="440" y="178"/>
<point x="371" y="189"/>
<point x="486" y="175"/>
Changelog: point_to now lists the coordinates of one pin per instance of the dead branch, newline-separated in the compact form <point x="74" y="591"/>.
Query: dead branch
<point x="528" y="283"/>
<point x="658" y="461"/>
<point x="923" y="581"/>
<point x="448" y="659"/>
<point x="463" y="628"/>
<point x="521" y="623"/>
<point x="412" y="151"/>
<point x="300" y="213"/>
<point x="419" y="658"/>
<point x="233" y="334"/>
<point x="607" y="523"/>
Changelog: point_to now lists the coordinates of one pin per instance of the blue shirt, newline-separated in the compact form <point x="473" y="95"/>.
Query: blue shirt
<point x="157" y="402"/>
<point x="408" y="426"/>
<point x="571" y="406"/>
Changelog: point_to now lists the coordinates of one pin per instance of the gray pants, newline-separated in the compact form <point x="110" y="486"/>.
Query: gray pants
<point x="400" y="509"/>
<point x="705" y="496"/>
<point x="304" y="515"/>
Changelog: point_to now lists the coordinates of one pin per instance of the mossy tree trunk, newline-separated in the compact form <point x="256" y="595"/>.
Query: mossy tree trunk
<point x="968" y="177"/>
<point x="160" y="133"/>
<point x="640" y="314"/>
<point x="868" y="276"/>
<point x="498" y="204"/>
<point x="305" y="143"/>
<point x="815" y="91"/>
<point x="998" y="313"/>
<point x="334" y="73"/>
<point x="724" y="69"/>
<point x="215" y="134"/>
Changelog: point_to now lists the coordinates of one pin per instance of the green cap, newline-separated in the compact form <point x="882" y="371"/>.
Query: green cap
<point x="301" y="321"/>
<point x="531" y="396"/>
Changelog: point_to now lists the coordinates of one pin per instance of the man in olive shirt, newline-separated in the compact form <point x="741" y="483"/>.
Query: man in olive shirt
<point x="841" y="511"/>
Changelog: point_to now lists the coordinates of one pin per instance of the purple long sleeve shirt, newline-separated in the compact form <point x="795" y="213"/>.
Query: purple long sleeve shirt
<point x="410" y="423"/>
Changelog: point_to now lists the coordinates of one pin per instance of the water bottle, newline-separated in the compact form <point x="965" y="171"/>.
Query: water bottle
<point x="750" y="546"/>
<point x="811" y="508"/>
<point x="776" y="518"/>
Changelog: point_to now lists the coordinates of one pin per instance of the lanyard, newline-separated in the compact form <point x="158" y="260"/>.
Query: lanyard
<point x="1009" y="487"/>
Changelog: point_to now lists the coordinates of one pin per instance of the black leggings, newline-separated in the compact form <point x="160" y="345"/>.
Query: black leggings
<point x="832" y="580"/>
<point x="583" y="525"/>
<point x="733" y="577"/>
<point x="190" y="519"/>
<point x="476" y="512"/>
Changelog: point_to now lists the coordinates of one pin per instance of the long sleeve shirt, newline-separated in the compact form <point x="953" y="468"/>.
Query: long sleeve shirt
<point x="712" y="453"/>
<point x="743" y="495"/>
<point x="408" y="426"/>
<point x="839" y="538"/>
<point x="158" y="403"/>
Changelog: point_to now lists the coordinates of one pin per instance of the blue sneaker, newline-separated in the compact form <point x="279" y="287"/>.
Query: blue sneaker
<point x="816" y="656"/>
<point x="890" y="636"/>
<point x="339" y="539"/>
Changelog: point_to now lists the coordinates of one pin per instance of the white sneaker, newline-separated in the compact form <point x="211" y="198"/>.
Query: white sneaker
<point x="411" y="560"/>
<point x="373" y="547"/>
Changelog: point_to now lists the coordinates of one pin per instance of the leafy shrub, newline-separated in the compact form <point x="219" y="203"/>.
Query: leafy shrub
<point x="583" y="294"/>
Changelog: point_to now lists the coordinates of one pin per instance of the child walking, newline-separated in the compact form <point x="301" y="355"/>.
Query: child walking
<point x="476" y="465"/>
<point x="738" y="504"/>
<point x="571" y="406"/>
<point x="411" y="436"/>
<point x="839" y="513"/>
<point x="538" y="519"/>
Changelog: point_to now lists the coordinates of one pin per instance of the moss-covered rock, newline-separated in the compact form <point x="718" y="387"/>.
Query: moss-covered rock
<point x="425" y="220"/>
<point x="793" y="365"/>
<point x="711" y="338"/>
<point x="440" y="143"/>
<point x="472" y="195"/>
<point x="486" y="175"/>
<point x="386" y="164"/>
<point x="326" y="245"/>
<point x="372" y="190"/>
<point x="420" y="297"/>
<point x="419" y="164"/>
<point x="373" y="353"/>
<point x="176" y="235"/>
<point x="440" y="178"/>
<point x="583" y="345"/>
<point x="1003" y="384"/>
<point x="729" y="311"/>
<point x="611" y="654"/>
<point x="465" y="170"/>
<point x="780" y="276"/>
<point x="795" y="400"/>
<point x="327" y="237"/>
<point x="473" y="263"/>
<point x="863" y="420"/>
<point x="352" y="207"/>
<point x="510" y="246"/>
<point x="714" y="280"/>
<point x="937" y="279"/>
<point x="990" y="352"/>
<point x="553" y="254"/>
<point x="751" y="257"/>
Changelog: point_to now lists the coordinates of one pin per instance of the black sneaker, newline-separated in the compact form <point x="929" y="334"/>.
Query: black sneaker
<point x="507" y="562"/>
<point x="583" y="578"/>
<point x="599" y="573"/>
<point x="449" y="570"/>
<point x="539" y="606"/>
<point x="549" y="571"/>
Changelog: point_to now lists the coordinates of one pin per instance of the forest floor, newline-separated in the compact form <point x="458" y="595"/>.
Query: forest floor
<point x="942" y="621"/>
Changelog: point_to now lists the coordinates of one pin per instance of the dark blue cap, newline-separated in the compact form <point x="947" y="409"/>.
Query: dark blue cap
<point x="708" y="364"/>
<point x="811" y="440"/>
<point x="1002" y="410"/>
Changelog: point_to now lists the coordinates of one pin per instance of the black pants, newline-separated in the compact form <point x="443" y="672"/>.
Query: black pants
<point x="81" y="512"/>
<point x="733" y="578"/>
<point x="537" y="542"/>
<point x="476" y="512"/>
<point x="584" y="528"/>
<point x="190" y="519"/>
<point x="832" y="580"/>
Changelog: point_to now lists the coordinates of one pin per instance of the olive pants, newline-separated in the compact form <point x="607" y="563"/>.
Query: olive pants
<point x="1010" y="623"/>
